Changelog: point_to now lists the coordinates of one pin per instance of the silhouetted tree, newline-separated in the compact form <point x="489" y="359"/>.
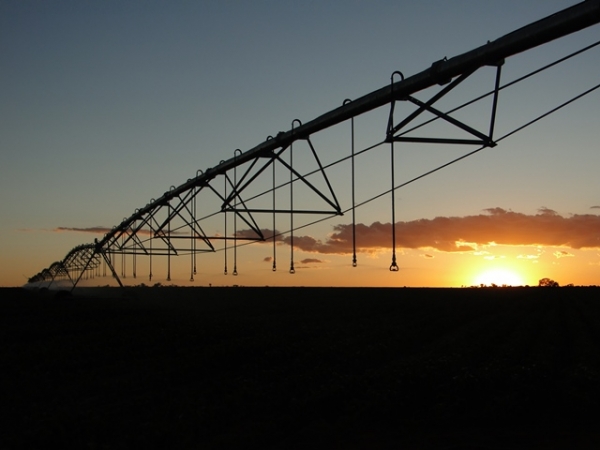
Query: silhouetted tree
<point x="547" y="282"/>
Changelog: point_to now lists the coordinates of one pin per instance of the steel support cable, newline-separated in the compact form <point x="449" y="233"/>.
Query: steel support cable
<point x="449" y="163"/>
<point x="505" y="86"/>
<point x="495" y="103"/>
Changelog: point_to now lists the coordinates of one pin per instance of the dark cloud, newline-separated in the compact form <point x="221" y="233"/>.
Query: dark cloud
<point x="543" y="210"/>
<point x="562" y="254"/>
<point x="95" y="230"/>
<point x="268" y="259"/>
<point x="267" y="233"/>
<point x="310" y="261"/>
<point x="463" y="234"/>
<point x="594" y="207"/>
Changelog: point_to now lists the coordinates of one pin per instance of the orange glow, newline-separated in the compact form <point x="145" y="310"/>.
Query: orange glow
<point x="499" y="277"/>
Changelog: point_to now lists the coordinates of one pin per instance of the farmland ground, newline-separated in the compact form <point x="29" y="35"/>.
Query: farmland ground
<point x="295" y="368"/>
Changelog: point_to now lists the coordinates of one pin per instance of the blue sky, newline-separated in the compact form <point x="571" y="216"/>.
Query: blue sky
<point x="105" y="105"/>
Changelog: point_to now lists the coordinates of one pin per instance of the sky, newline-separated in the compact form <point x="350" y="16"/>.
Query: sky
<point x="106" y="105"/>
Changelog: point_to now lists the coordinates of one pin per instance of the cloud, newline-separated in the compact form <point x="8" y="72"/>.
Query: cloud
<point x="95" y="230"/>
<point x="462" y="234"/>
<point x="310" y="261"/>
<point x="528" y="256"/>
<point x="268" y="259"/>
<point x="251" y="234"/>
<point x="594" y="207"/>
<point x="546" y="211"/>
<point x="562" y="254"/>
<point x="426" y="256"/>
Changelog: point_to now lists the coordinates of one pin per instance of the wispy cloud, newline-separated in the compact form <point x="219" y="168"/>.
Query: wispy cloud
<point x="310" y="261"/>
<point x="94" y="230"/>
<point x="562" y="254"/>
<point x="543" y="211"/>
<point x="528" y="256"/>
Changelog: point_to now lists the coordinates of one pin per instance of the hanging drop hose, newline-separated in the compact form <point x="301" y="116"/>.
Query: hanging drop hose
<point x="134" y="251"/>
<point x="195" y="243"/>
<point x="169" y="244"/>
<point x="123" y="259"/>
<point x="393" y="266"/>
<point x="192" y="237"/>
<point x="150" y="246"/>
<point x="194" y="224"/>
<point x="235" y="153"/>
<point x="292" y="270"/>
<point x="225" y="219"/>
<point x="274" y="268"/>
<point x="354" y="261"/>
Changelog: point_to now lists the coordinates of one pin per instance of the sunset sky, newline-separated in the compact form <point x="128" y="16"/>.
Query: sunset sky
<point x="105" y="105"/>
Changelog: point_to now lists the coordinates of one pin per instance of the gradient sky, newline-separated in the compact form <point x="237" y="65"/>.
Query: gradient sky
<point x="105" y="105"/>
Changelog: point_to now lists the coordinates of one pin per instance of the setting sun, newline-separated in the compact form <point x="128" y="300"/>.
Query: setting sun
<point x="499" y="277"/>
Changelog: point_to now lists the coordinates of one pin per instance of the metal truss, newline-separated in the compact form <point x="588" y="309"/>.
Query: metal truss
<point x="80" y="261"/>
<point x="172" y="225"/>
<point x="396" y="133"/>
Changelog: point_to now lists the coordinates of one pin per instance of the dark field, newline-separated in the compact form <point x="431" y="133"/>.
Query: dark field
<point x="295" y="368"/>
